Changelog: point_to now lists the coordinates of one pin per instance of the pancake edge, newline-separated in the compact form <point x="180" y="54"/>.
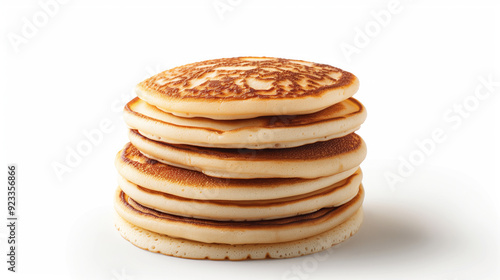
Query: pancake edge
<point x="182" y="248"/>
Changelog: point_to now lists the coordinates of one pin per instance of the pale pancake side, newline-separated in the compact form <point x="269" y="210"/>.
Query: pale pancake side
<point x="154" y="175"/>
<point x="236" y="232"/>
<point x="248" y="210"/>
<point x="247" y="87"/>
<point x="335" y="121"/>
<point x="309" y="161"/>
<point x="183" y="248"/>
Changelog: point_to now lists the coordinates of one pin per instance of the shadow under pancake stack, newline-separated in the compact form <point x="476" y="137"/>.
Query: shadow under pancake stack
<point x="242" y="158"/>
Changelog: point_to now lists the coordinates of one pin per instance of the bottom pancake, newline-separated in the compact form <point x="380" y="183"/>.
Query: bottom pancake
<point x="184" y="248"/>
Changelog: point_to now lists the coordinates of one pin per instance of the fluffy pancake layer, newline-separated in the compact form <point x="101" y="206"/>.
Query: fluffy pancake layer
<point x="242" y="158"/>
<point x="236" y="232"/>
<point x="246" y="210"/>
<point x="154" y="175"/>
<point x="183" y="248"/>
<point x="264" y="132"/>
<point x="309" y="161"/>
<point x="247" y="87"/>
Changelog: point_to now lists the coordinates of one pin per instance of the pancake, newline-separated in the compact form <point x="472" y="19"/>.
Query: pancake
<point x="335" y="121"/>
<point x="247" y="87"/>
<point x="183" y="248"/>
<point x="236" y="232"/>
<point x="246" y="210"/>
<point x="309" y="161"/>
<point x="157" y="176"/>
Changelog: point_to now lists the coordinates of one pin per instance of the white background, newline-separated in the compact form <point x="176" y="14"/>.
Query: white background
<point x="78" y="66"/>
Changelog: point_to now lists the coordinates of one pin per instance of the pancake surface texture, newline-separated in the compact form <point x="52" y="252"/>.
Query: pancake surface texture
<point x="247" y="87"/>
<point x="334" y="195"/>
<point x="287" y="131"/>
<point x="183" y="248"/>
<point x="309" y="161"/>
<point x="242" y="158"/>
<point x="154" y="175"/>
<point x="236" y="232"/>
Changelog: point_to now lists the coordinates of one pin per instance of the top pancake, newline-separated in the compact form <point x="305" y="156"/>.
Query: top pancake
<point x="247" y="87"/>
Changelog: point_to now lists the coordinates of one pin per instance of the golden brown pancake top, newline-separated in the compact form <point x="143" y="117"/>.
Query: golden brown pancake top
<point x="247" y="77"/>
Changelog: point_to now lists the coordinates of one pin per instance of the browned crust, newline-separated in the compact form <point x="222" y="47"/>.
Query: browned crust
<point x="314" y="151"/>
<point x="226" y="85"/>
<point x="315" y="217"/>
<point x="261" y="203"/>
<point x="132" y="157"/>
<point x="278" y="121"/>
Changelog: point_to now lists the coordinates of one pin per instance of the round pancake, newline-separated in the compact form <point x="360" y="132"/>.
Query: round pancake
<point x="246" y="210"/>
<point x="183" y="248"/>
<point x="154" y="175"/>
<point x="309" y="161"/>
<point x="247" y="87"/>
<point x="335" y="121"/>
<point x="236" y="232"/>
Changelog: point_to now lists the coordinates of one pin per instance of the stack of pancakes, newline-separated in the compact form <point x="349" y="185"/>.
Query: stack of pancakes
<point x="242" y="158"/>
